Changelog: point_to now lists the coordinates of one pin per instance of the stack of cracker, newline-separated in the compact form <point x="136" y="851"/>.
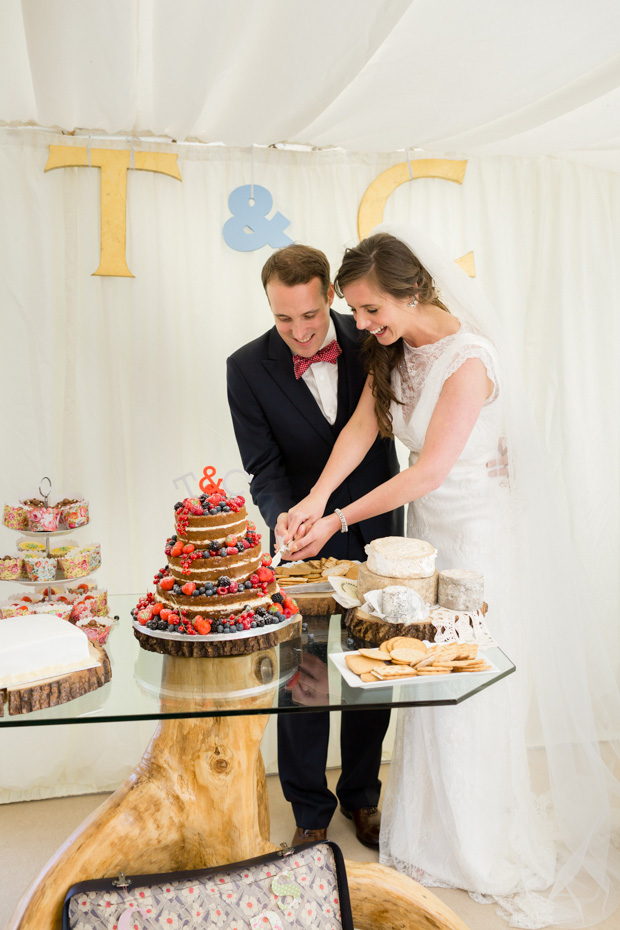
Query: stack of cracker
<point x="404" y="657"/>
<point x="314" y="570"/>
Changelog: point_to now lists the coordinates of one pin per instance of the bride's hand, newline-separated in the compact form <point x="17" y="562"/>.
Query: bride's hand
<point x="314" y="538"/>
<point x="300" y="518"/>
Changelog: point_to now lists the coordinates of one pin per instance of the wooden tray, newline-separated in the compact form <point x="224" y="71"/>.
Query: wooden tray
<point x="49" y="692"/>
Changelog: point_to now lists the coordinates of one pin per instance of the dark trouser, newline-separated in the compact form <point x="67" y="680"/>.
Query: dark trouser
<point x="302" y="757"/>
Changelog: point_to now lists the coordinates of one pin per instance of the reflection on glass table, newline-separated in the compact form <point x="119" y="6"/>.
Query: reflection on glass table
<point x="292" y="677"/>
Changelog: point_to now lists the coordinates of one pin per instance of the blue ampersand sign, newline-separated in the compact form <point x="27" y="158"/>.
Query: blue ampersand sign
<point x="248" y="228"/>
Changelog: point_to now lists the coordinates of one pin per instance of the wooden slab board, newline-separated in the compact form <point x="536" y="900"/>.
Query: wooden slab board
<point x="371" y="631"/>
<point x="50" y="692"/>
<point x="218" y="645"/>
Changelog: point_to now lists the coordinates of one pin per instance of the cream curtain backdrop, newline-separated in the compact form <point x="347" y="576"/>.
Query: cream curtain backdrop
<point x="486" y="76"/>
<point x="115" y="386"/>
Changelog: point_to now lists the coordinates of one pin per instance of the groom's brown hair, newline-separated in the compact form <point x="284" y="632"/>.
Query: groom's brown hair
<point x="297" y="264"/>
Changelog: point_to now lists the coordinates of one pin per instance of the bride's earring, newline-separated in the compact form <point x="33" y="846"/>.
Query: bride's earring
<point x="413" y="302"/>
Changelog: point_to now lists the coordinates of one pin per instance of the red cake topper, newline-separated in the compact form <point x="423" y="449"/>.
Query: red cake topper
<point x="207" y="485"/>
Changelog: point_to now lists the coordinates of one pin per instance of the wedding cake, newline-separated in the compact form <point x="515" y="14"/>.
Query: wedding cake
<point x="216" y="582"/>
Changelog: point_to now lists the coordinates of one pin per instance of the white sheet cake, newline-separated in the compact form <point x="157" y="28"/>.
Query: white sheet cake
<point x="38" y="646"/>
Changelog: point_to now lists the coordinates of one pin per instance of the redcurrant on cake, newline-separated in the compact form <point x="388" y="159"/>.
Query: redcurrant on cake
<point x="217" y="594"/>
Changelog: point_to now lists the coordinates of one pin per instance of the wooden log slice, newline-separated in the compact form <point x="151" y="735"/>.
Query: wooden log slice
<point x="54" y="691"/>
<point x="214" y="647"/>
<point x="371" y="631"/>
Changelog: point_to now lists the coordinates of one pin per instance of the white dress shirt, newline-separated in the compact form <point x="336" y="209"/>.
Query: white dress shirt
<point x="322" y="379"/>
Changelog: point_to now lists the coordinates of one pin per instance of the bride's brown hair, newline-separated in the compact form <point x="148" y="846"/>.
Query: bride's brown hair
<point x="393" y="269"/>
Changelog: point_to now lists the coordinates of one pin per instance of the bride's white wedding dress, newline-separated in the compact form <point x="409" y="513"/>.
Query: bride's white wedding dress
<point x="459" y="810"/>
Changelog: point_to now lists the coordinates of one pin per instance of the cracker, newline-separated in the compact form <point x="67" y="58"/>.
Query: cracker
<point x="340" y="569"/>
<point x="388" y="672"/>
<point x="359" y="664"/>
<point x="368" y="676"/>
<point x="374" y="654"/>
<point x="406" y="656"/>
<point x="406" y="642"/>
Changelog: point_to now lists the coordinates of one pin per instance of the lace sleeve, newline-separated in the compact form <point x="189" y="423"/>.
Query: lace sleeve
<point x="476" y="351"/>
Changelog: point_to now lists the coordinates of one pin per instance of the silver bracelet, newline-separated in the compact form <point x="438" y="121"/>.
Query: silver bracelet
<point x="343" y="523"/>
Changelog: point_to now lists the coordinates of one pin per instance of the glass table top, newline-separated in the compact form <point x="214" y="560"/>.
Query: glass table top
<point x="301" y="675"/>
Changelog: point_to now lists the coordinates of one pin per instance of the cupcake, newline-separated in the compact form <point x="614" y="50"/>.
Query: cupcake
<point x="43" y="519"/>
<point x="94" y="555"/>
<point x="15" y="516"/>
<point x="40" y="568"/>
<point x="30" y="547"/>
<point x="10" y="567"/>
<point x="75" y="564"/>
<point x="14" y="609"/>
<point x="49" y="607"/>
<point x="58" y="551"/>
<point x="73" y="513"/>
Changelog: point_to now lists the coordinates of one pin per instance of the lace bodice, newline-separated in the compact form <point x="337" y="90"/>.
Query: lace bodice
<point x="420" y="378"/>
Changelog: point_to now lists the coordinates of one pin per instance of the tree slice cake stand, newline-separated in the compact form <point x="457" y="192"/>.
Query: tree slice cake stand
<point x="372" y="631"/>
<point x="217" y="644"/>
<point x="367" y="630"/>
<point x="50" y="692"/>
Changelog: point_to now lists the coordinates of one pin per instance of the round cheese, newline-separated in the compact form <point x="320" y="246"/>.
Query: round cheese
<point x="400" y="557"/>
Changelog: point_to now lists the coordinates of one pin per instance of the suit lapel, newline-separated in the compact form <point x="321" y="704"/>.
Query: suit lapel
<point x="279" y="366"/>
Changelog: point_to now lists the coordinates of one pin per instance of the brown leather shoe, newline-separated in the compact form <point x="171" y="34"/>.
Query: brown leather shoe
<point x="308" y="836"/>
<point x="367" y="822"/>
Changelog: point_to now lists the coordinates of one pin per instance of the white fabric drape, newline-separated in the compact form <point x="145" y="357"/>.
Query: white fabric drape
<point x="116" y="386"/>
<point x="485" y="77"/>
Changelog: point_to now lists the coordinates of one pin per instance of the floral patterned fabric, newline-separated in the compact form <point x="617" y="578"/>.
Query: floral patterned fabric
<point x="240" y="900"/>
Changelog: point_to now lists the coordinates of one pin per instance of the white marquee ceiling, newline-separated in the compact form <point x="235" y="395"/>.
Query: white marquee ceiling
<point x="518" y="77"/>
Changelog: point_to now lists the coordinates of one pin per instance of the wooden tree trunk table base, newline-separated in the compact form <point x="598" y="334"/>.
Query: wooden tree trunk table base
<point x="198" y="799"/>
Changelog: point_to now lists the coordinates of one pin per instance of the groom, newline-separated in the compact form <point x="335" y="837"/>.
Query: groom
<point x="290" y="392"/>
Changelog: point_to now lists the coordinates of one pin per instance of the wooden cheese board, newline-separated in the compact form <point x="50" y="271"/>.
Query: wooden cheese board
<point x="49" y="692"/>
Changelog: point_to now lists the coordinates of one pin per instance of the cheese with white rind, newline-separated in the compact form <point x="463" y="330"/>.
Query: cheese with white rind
<point x="401" y="557"/>
<point x="460" y="589"/>
<point x="401" y="604"/>
<point x="36" y="646"/>
<point x="369" y="581"/>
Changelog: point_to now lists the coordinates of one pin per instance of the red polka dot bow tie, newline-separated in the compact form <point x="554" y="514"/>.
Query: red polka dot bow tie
<point x="328" y="353"/>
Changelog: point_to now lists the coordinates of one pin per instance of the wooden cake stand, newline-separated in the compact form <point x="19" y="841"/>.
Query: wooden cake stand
<point x="49" y="692"/>
<point x="198" y="798"/>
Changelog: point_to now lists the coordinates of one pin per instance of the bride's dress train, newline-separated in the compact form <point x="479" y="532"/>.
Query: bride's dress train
<point x="459" y="810"/>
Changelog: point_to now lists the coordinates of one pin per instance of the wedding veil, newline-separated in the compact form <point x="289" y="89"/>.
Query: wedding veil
<point x="567" y="681"/>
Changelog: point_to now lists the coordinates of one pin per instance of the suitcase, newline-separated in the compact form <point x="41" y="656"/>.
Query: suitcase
<point x="293" y="888"/>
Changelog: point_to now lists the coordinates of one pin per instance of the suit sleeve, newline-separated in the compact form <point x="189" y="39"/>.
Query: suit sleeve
<point x="259" y="449"/>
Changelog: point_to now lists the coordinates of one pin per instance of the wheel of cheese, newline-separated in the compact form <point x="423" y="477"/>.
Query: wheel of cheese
<point x="370" y="581"/>
<point x="460" y="589"/>
<point x="401" y="557"/>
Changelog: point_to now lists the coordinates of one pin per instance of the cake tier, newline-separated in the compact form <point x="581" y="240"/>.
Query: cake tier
<point x="369" y="581"/>
<point x="401" y="557"/>
<point x="241" y="565"/>
<point x="221" y="605"/>
<point x="203" y="530"/>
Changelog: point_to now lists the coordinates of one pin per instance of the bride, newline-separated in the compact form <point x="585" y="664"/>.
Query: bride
<point x="460" y="809"/>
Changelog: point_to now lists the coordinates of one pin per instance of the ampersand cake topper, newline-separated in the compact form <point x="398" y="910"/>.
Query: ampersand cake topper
<point x="207" y="485"/>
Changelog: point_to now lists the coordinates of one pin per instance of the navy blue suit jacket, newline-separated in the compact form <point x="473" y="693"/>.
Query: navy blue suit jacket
<point x="285" y="440"/>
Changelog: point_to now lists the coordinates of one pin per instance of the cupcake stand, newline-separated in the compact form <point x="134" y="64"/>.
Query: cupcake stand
<point x="50" y="692"/>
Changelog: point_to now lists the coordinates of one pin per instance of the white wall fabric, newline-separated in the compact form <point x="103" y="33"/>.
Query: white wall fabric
<point x="115" y="386"/>
<point x="485" y="77"/>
